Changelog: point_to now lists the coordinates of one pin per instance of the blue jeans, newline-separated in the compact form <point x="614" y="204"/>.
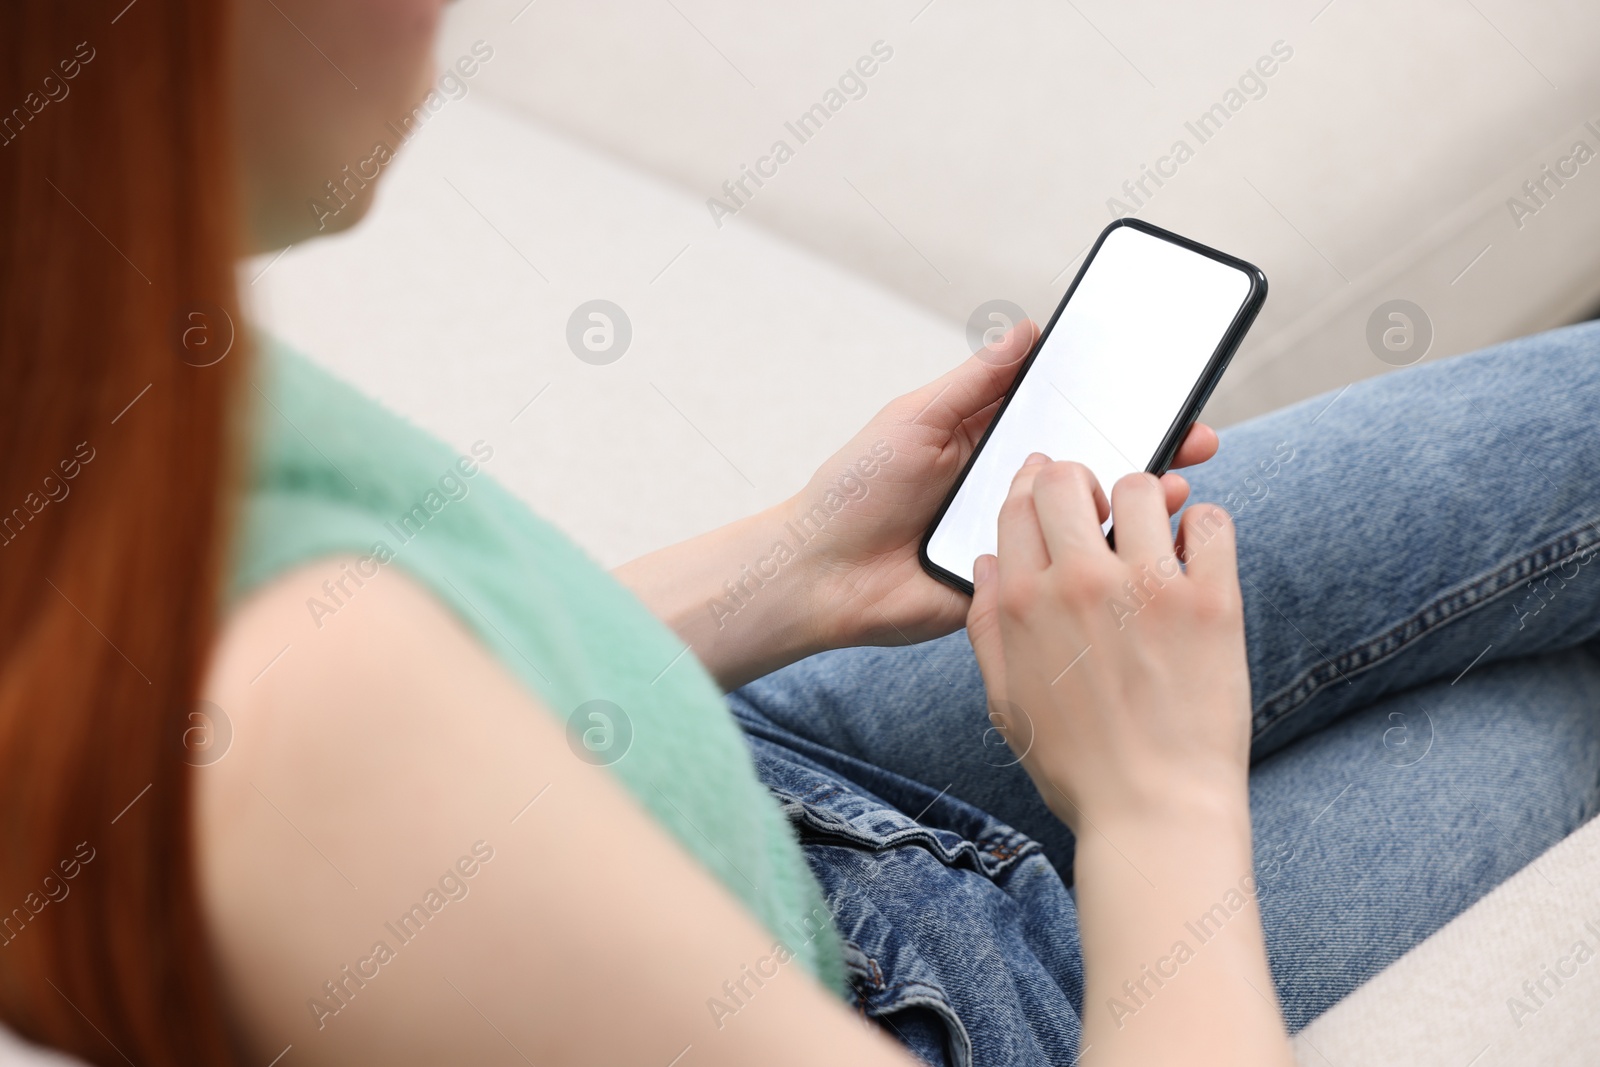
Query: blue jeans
<point x="1415" y="558"/>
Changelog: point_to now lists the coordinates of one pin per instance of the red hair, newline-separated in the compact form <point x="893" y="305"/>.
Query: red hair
<point x="118" y="209"/>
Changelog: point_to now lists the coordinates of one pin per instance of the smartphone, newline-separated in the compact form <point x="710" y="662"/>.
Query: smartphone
<point x="1114" y="381"/>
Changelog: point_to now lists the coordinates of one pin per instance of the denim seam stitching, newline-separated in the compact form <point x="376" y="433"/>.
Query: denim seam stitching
<point x="1466" y="599"/>
<point x="825" y="827"/>
<point x="993" y="851"/>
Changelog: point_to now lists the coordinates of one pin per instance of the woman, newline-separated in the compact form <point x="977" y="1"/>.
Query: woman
<point x="451" y="795"/>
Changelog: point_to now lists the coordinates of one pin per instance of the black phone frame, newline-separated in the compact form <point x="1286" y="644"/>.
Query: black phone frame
<point x="1186" y="415"/>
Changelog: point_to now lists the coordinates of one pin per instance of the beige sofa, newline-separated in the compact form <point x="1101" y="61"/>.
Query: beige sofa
<point x="1393" y="151"/>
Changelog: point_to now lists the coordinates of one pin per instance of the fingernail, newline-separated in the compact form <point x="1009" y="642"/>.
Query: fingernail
<point x="982" y="570"/>
<point x="1037" y="457"/>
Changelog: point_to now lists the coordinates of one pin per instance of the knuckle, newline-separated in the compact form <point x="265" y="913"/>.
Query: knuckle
<point x="1076" y="475"/>
<point x="1067" y="479"/>
<point x="1216" y="605"/>
<point x="1045" y="476"/>
<point x="1016" y="507"/>
<point x="904" y="407"/>
<point x="1054" y="472"/>
<point x="1022" y="481"/>
<point x="1203" y="522"/>
<point x="1019" y="593"/>
<point x="1082" y="582"/>
<point x="1137" y="482"/>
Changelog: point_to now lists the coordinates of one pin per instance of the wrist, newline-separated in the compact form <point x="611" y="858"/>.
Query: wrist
<point x="738" y="596"/>
<point x="789" y="566"/>
<point x="1169" y="914"/>
<point x="759" y="611"/>
<point x="815" y="600"/>
<point x="1204" y="841"/>
<point x="1160" y="803"/>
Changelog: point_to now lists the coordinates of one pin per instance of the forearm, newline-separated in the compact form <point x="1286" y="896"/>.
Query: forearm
<point x="1173" y="947"/>
<point x="740" y="596"/>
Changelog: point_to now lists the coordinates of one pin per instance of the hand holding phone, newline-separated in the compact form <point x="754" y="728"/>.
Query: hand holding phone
<point x="1114" y="381"/>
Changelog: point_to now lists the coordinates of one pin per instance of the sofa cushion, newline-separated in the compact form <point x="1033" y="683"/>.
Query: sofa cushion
<point x="1357" y="151"/>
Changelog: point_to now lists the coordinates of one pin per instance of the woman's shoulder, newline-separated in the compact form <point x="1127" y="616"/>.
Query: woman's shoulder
<point x="315" y="704"/>
<point x="396" y="843"/>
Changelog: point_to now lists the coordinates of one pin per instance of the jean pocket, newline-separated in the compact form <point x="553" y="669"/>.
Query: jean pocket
<point x="958" y="934"/>
<point x="907" y="900"/>
<point x="918" y="1015"/>
<point x="895" y="980"/>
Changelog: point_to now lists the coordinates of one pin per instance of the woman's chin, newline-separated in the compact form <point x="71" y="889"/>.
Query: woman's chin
<point x="315" y="217"/>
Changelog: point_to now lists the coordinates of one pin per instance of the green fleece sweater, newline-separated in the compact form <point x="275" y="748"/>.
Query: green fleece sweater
<point x="336" y="473"/>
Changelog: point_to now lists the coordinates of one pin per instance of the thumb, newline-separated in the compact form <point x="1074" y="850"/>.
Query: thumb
<point x="975" y="384"/>
<point x="983" y="625"/>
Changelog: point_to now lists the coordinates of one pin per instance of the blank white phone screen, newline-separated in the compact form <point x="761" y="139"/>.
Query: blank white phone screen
<point x="1108" y="381"/>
